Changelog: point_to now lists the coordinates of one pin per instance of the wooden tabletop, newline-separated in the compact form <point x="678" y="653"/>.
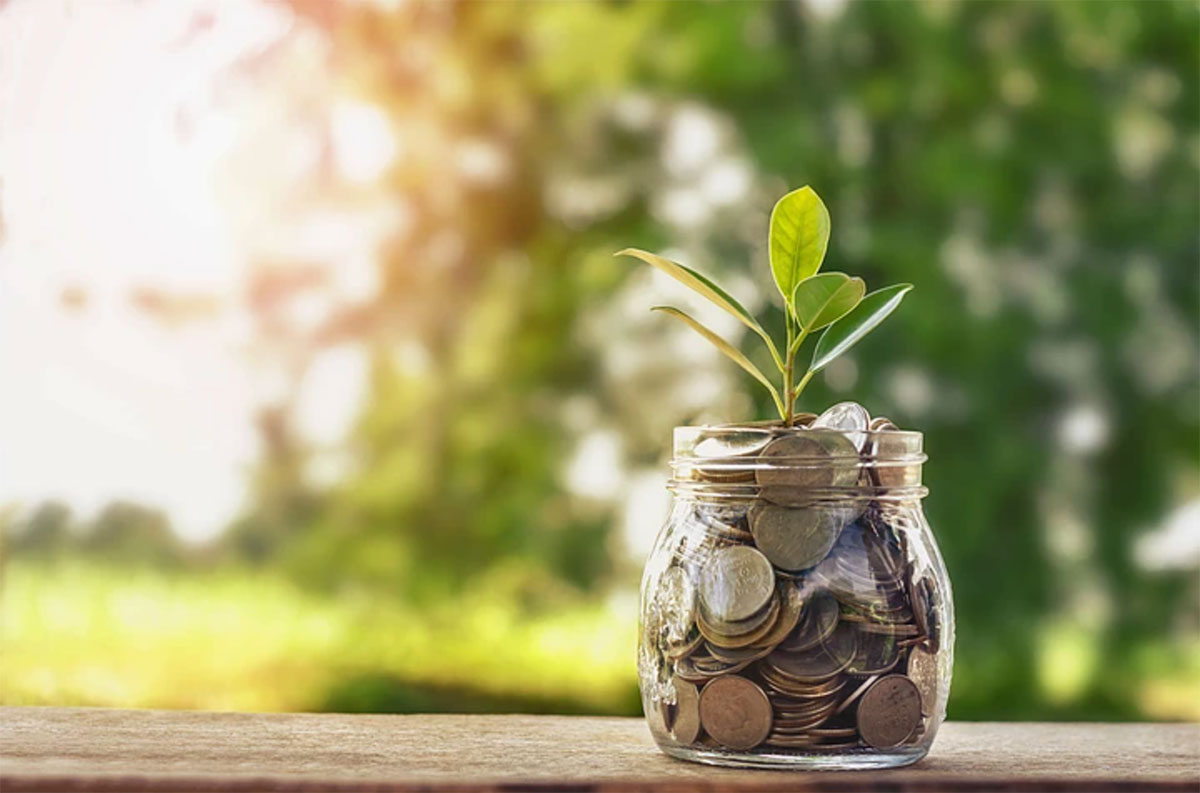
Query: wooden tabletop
<point x="83" y="749"/>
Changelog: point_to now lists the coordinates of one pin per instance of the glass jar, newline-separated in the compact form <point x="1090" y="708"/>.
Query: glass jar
<point x="795" y="610"/>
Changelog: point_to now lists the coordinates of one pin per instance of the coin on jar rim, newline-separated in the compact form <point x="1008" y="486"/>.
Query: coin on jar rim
<point x="685" y="727"/>
<point x="736" y="583"/>
<point x="794" y="461"/>
<point x="889" y="711"/>
<point x="922" y="670"/>
<point x="794" y="538"/>
<point x="848" y="417"/>
<point x="735" y="712"/>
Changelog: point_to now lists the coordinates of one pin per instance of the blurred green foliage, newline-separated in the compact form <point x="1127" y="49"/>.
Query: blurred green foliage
<point x="1031" y="167"/>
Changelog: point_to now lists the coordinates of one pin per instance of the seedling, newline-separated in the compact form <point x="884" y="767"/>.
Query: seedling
<point x="835" y="302"/>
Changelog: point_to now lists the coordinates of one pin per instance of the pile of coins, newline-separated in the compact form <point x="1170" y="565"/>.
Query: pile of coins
<point x="788" y="622"/>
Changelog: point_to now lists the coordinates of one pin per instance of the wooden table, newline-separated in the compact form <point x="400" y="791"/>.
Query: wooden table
<point x="82" y="749"/>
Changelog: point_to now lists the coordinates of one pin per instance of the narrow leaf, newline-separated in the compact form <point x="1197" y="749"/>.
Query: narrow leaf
<point x="847" y="331"/>
<point x="697" y="283"/>
<point x="824" y="298"/>
<point x="799" y="237"/>
<point x="728" y="349"/>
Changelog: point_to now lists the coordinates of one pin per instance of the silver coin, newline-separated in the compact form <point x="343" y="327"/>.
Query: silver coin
<point x="685" y="727"/>
<point x="849" y="417"/>
<point x="796" y="538"/>
<point x="922" y="670"/>
<point x="677" y="601"/>
<point x="736" y="583"/>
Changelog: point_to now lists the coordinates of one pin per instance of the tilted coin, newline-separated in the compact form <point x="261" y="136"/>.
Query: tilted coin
<point x="803" y="419"/>
<point x="849" y="417"/>
<point x="733" y="635"/>
<point x="889" y="629"/>
<point x="880" y="423"/>
<point x="820" y="620"/>
<point x="819" y="663"/>
<point x="876" y="654"/>
<point x="889" y="711"/>
<point x="685" y="727"/>
<point x="794" y="538"/>
<point x="735" y="712"/>
<point x="923" y="671"/>
<point x="677" y="599"/>
<point x="736" y="583"/>
<point x="791" y="608"/>
<point x="925" y="614"/>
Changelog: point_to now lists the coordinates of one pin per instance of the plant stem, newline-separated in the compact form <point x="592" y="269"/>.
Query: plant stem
<point x="789" y="397"/>
<point x="803" y="382"/>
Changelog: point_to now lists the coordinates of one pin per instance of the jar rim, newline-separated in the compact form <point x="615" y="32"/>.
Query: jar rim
<point x="735" y="459"/>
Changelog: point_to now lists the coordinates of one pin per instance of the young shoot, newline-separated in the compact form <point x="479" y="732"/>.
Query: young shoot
<point x="833" y="302"/>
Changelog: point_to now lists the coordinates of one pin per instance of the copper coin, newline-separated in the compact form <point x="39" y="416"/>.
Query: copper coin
<point x="735" y="712"/>
<point x="889" y="711"/>
<point x="685" y="728"/>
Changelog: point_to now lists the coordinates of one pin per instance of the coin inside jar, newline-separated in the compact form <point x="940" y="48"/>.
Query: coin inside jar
<point x="735" y="712"/>
<point x="889" y="711"/>
<point x="686" y="726"/>
<point x="922" y="670"/>
<point x="794" y="538"/>
<point x="736" y="583"/>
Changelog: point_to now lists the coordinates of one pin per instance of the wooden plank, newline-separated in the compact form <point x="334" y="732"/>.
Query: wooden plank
<point x="85" y="749"/>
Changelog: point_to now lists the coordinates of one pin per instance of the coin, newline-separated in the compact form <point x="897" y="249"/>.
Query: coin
<point x="793" y="462"/>
<point x="794" y="538"/>
<point x="850" y="417"/>
<point x="820" y="620"/>
<point x="922" y="670"/>
<point x="875" y="655"/>
<point x="736" y="583"/>
<point x="735" y="712"/>
<point x="677" y="598"/>
<point x="743" y="634"/>
<point x="889" y="711"/>
<point x="818" y="663"/>
<point x="686" y="725"/>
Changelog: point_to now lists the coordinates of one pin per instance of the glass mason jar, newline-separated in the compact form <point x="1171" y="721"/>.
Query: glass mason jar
<point x="795" y="610"/>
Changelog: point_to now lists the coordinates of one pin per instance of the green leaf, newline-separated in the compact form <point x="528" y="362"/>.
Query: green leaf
<point x="697" y="283"/>
<point x="846" y="332"/>
<point x="728" y="349"/>
<point x="799" y="237"/>
<point x="825" y="298"/>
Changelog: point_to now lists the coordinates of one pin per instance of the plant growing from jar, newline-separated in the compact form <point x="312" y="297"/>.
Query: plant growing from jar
<point x="813" y="301"/>
<point x="795" y="610"/>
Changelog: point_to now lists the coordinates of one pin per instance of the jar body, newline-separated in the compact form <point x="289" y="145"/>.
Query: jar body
<point x="796" y="612"/>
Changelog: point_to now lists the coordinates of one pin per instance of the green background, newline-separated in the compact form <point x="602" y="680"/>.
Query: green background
<point x="1031" y="167"/>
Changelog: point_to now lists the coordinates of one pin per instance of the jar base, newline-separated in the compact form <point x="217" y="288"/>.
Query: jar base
<point x="800" y="760"/>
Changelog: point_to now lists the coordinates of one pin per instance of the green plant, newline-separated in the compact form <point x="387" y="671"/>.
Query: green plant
<point x="835" y="302"/>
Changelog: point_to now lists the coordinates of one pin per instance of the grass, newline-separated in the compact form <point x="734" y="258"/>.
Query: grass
<point x="76" y="634"/>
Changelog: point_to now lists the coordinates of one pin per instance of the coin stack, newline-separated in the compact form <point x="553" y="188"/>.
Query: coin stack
<point x="793" y="623"/>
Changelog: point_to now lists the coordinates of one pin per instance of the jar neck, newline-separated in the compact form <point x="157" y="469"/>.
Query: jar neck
<point x="795" y="466"/>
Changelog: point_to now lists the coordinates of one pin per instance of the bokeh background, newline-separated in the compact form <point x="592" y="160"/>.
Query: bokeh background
<point x="320" y="388"/>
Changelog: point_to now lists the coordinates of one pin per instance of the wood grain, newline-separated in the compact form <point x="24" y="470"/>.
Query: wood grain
<point x="83" y="749"/>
